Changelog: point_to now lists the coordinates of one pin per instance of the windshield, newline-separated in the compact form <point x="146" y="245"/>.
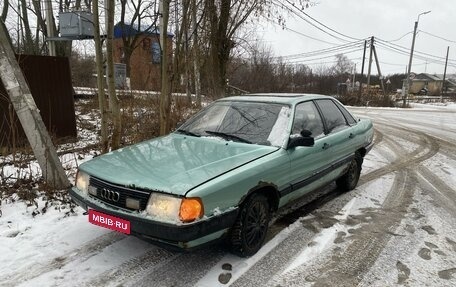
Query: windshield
<point x="249" y="122"/>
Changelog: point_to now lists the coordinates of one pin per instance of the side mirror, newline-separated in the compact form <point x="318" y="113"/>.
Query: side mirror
<point x="304" y="140"/>
<point x="306" y="133"/>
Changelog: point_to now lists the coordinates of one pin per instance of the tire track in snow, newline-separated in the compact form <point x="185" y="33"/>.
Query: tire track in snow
<point x="347" y="267"/>
<point x="84" y="252"/>
<point x="134" y="268"/>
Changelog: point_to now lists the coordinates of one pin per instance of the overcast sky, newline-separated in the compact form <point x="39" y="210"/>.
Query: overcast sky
<point x="387" y="20"/>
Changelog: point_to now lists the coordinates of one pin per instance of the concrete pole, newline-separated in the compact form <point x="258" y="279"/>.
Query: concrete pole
<point x="29" y="115"/>
<point x="444" y="75"/>
<point x="354" y="76"/>
<point x="408" y="80"/>
<point x="370" y="65"/>
<point x="362" y="73"/>
<point x="379" y="72"/>
<point x="409" y="69"/>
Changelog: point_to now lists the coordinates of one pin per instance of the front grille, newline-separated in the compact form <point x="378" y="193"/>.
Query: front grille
<point x="142" y="196"/>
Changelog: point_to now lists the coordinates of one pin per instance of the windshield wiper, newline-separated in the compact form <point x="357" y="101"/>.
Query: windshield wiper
<point x="228" y="136"/>
<point x="188" y="133"/>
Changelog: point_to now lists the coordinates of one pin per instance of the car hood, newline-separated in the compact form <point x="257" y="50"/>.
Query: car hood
<point x="174" y="163"/>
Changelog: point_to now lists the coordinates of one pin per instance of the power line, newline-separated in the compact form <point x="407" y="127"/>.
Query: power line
<point x="322" y="63"/>
<point x="418" y="53"/>
<point x="344" y="35"/>
<point x="321" y="58"/>
<point x="435" y="36"/>
<point x="338" y="48"/>
<point x="298" y="33"/>
<point x="395" y="40"/>
<point x="420" y="57"/>
<point x="306" y="20"/>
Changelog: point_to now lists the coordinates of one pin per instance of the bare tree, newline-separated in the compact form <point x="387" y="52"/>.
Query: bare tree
<point x="113" y="101"/>
<point x="140" y="15"/>
<point x="343" y="65"/>
<point x="100" y="79"/>
<point x="165" y="97"/>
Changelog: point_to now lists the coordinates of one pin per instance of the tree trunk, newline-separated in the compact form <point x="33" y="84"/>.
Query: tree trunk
<point x="4" y="11"/>
<point x="29" y="44"/>
<point x="113" y="101"/>
<point x="165" y="97"/>
<point x="196" y="65"/>
<point x="100" y="78"/>
<point x="29" y="115"/>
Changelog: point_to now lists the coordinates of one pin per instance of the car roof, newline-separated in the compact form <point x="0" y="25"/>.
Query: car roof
<point x="282" y="98"/>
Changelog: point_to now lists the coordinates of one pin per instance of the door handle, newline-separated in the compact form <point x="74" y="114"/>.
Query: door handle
<point x="326" y="146"/>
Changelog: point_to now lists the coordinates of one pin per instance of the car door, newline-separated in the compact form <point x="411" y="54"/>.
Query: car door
<point x="307" y="163"/>
<point x="339" y="134"/>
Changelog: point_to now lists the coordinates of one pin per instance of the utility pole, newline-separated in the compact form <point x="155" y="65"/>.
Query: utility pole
<point x="354" y="77"/>
<point x="29" y="115"/>
<point x="444" y="75"/>
<point x="405" y="89"/>
<point x="362" y="73"/>
<point x="50" y="27"/>
<point x="378" y="70"/>
<point x="370" y="64"/>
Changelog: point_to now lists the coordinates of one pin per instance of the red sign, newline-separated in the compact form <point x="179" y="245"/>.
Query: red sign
<point x="108" y="221"/>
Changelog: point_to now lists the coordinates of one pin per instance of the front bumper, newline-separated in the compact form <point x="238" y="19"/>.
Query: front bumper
<point x="369" y="147"/>
<point x="172" y="234"/>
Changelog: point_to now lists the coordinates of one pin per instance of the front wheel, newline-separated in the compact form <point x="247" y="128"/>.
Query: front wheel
<point x="350" y="179"/>
<point x="249" y="231"/>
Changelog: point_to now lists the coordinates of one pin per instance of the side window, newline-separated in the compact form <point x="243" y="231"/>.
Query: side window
<point x="350" y="119"/>
<point x="307" y="118"/>
<point x="333" y="117"/>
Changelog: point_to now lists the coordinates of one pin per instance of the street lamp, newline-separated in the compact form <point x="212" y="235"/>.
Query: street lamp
<point x="410" y="60"/>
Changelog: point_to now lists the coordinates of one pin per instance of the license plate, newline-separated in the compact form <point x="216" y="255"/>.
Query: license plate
<point x="108" y="221"/>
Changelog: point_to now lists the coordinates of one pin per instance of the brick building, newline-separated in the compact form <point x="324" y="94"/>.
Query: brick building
<point x="145" y="59"/>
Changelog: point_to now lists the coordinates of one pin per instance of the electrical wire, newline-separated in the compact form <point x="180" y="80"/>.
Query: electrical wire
<point x="297" y="32"/>
<point x="320" y="23"/>
<point x="325" y="57"/>
<point x="416" y="53"/>
<point x="435" y="36"/>
<point x="336" y="49"/>
<point x="291" y="10"/>
<point x="395" y="40"/>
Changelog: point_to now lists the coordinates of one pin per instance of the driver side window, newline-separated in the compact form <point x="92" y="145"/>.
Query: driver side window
<point x="307" y="118"/>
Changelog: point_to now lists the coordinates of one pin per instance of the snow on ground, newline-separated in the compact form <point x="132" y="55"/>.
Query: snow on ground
<point x="31" y="237"/>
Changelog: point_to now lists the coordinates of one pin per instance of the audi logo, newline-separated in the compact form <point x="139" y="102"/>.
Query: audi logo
<point x="110" y="195"/>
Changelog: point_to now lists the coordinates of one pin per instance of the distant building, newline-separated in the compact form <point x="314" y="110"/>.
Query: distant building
<point x="432" y="84"/>
<point x="145" y="59"/>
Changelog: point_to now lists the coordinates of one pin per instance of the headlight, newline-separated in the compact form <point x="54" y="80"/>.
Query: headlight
<point x="174" y="209"/>
<point x="82" y="181"/>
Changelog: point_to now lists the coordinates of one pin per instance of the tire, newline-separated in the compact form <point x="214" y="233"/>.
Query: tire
<point x="249" y="231"/>
<point x="350" y="179"/>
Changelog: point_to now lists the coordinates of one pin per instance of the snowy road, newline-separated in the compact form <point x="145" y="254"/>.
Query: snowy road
<point x="398" y="227"/>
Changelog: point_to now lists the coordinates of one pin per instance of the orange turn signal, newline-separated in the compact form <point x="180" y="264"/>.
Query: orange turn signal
<point x="191" y="209"/>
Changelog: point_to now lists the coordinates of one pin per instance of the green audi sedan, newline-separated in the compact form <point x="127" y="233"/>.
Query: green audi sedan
<point x="224" y="172"/>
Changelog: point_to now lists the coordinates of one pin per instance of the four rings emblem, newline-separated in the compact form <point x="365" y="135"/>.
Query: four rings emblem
<point x="110" y="195"/>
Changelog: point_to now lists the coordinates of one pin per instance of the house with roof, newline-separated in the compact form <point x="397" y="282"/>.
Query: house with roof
<point x="144" y="70"/>
<point x="432" y="84"/>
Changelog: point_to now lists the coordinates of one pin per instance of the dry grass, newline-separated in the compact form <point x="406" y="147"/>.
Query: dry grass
<point x="371" y="100"/>
<point x="140" y="121"/>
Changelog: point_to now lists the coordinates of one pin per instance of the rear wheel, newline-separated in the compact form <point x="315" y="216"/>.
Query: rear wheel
<point x="350" y="179"/>
<point x="250" y="229"/>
